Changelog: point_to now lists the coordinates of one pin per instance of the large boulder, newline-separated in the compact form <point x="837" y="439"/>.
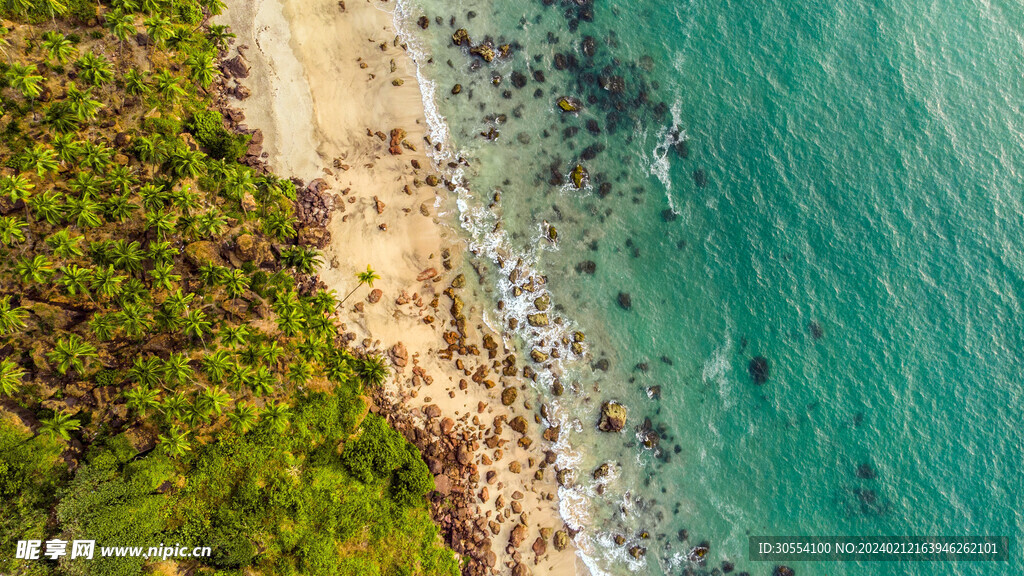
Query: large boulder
<point x="613" y="417"/>
<point x="236" y="67"/>
<point x="203" y="252"/>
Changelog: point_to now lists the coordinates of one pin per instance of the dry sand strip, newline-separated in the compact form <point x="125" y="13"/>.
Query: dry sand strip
<point x="328" y="85"/>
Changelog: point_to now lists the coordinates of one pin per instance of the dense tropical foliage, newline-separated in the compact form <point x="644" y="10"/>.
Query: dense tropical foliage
<point x="163" y="377"/>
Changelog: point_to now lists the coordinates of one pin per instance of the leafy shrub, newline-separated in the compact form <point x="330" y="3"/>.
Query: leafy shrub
<point x="208" y="128"/>
<point x="411" y="481"/>
<point x="376" y="452"/>
<point x="189" y="13"/>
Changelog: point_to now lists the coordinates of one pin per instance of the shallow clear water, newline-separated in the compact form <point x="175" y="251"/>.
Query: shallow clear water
<point x="860" y="225"/>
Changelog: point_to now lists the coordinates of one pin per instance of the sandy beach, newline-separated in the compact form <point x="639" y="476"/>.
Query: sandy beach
<point x="335" y="96"/>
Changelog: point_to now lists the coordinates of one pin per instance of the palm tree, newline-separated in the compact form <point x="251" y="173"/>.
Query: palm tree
<point x="364" y="278"/>
<point x="60" y="425"/>
<point x="175" y="442"/>
<point x="120" y="178"/>
<point x="211" y="274"/>
<point x="49" y="206"/>
<point x="119" y="208"/>
<point x="56" y="7"/>
<point x="147" y="372"/>
<point x="373" y="370"/>
<point x="213" y="399"/>
<point x="217" y="365"/>
<point x="95" y="69"/>
<point x="11" y="319"/>
<point x="236" y="283"/>
<point x="279" y="225"/>
<point x="86" y="183"/>
<point x="23" y="77"/>
<point x="202" y="68"/>
<point x="218" y="35"/>
<point x="39" y="159"/>
<point x="35" y="271"/>
<point x="300" y="372"/>
<point x="234" y="335"/>
<point x="240" y="375"/>
<point x="211" y="224"/>
<point x="103" y="326"/>
<point x="65" y="245"/>
<point x="276" y="416"/>
<point x="159" y="29"/>
<point x="97" y="156"/>
<point x="72" y="353"/>
<point x="135" y="319"/>
<point x="58" y="47"/>
<point x="174" y="405"/>
<point x="178" y="301"/>
<point x="165" y="223"/>
<point x="168" y="87"/>
<point x="85" y="212"/>
<point x="81" y="102"/>
<point x="185" y="162"/>
<point x="161" y="252"/>
<point x="75" y="279"/>
<point x="197" y="325"/>
<point x="61" y="118"/>
<point x="10" y="377"/>
<point x="67" y="147"/>
<point x="338" y="369"/>
<point x="162" y="277"/>
<point x="127" y="255"/>
<point x="106" y="281"/>
<point x="123" y="27"/>
<point x="12" y="230"/>
<point x="135" y="83"/>
<point x="16" y="187"/>
<point x="141" y="400"/>
<point x="305" y="260"/>
<point x="242" y="417"/>
<point x="178" y="369"/>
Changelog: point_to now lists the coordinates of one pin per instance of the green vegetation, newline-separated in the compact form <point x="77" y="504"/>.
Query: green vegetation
<point x="163" y="378"/>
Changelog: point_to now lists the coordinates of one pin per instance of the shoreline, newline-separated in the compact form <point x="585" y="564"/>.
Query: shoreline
<point x="356" y="128"/>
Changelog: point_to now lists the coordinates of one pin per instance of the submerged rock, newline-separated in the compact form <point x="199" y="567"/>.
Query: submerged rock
<point x="625" y="301"/>
<point x="579" y="176"/>
<point x="461" y="37"/>
<point x="485" y="51"/>
<point x="758" y="369"/>
<point x="700" y="178"/>
<point x="569" y="104"/>
<point x="783" y="571"/>
<point x="613" y="417"/>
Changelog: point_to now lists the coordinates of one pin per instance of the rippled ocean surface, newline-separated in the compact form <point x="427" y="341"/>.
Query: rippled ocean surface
<point x="847" y="205"/>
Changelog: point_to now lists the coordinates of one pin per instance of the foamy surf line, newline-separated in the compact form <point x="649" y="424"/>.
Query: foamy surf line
<point x="575" y="505"/>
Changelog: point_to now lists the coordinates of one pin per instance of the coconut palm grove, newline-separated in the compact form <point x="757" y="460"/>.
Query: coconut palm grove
<point x="158" y="382"/>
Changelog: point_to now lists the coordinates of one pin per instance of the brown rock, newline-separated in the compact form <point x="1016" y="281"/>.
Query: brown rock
<point x="561" y="540"/>
<point x="427" y="274"/>
<point x="432" y="411"/>
<point x="509" y="395"/>
<point x="236" y="67"/>
<point x="399" y="355"/>
<point x="375" y="296"/>
<point x="443" y="484"/>
<point x="518" y="424"/>
<point x="540" y="547"/>
<point x="613" y="417"/>
<point x="517" y="536"/>
<point x="379" y="205"/>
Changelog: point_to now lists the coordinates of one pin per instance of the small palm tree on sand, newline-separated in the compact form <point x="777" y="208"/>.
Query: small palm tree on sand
<point x="364" y="278"/>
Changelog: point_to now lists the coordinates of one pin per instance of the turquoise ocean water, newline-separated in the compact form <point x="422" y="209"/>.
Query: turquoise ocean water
<point x="848" y="206"/>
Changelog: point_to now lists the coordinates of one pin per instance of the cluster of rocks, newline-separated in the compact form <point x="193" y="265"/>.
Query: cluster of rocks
<point x="314" y="208"/>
